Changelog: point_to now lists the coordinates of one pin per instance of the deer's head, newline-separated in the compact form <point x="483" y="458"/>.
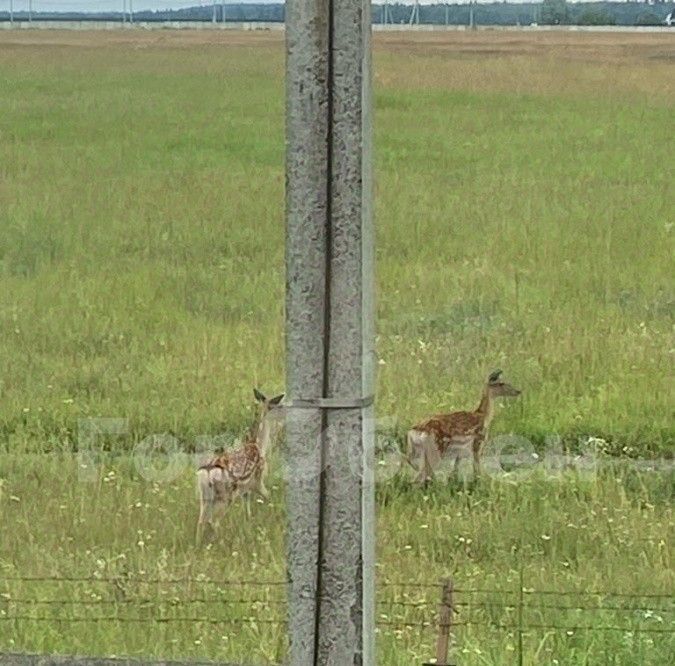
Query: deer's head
<point x="269" y="407"/>
<point x="499" y="388"/>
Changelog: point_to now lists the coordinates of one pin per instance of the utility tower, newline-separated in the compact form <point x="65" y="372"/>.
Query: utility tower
<point x="415" y="13"/>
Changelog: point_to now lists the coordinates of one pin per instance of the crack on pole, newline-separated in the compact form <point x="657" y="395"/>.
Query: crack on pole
<point x="326" y="325"/>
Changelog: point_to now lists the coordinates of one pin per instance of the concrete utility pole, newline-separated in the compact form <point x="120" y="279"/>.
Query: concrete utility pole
<point x="330" y="339"/>
<point x="11" y="12"/>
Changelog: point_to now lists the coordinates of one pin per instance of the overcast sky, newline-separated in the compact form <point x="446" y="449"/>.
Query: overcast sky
<point x="116" y="5"/>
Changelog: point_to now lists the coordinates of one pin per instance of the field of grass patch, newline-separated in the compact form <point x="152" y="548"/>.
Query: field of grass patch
<point x="524" y="221"/>
<point x="114" y="554"/>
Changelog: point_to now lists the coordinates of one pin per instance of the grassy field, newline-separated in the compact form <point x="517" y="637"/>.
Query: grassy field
<point x="132" y="543"/>
<point x="524" y="218"/>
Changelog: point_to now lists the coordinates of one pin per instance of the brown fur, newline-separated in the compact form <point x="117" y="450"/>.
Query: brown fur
<point x="239" y="466"/>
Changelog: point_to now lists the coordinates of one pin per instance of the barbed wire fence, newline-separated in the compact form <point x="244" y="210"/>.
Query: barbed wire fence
<point x="439" y="610"/>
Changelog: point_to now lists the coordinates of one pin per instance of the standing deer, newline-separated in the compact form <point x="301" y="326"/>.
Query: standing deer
<point x="456" y="433"/>
<point x="243" y="470"/>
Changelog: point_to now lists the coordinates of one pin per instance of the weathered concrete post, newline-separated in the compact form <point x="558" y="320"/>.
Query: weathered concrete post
<point x="329" y="332"/>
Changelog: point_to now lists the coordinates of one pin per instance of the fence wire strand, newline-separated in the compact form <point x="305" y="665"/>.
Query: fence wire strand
<point x="126" y="578"/>
<point x="463" y="608"/>
<point x="141" y="602"/>
<point x="496" y="605"/>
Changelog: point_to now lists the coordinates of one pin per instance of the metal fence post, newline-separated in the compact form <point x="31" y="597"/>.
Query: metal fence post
<point x="329" y="332"/>
<point x="445" y="612"/>
<point x="521" y="602"/>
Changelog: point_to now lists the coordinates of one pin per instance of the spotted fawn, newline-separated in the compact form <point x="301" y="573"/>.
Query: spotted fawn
<point x="236" y="472"/>
<point x="455" y="434"/>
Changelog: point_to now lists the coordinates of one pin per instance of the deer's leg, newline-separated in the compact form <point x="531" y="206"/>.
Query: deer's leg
<point x="455" y="469"/>
<point x="424" y="470"/>
<point x="260" y="487"/>
<point x="430" y="458"/>
<point x="257" y="486"/>
<point x="428" y="469"/>
<point x="433" y="454"/>
<point x="477" y="446"/>
<point x="407" y="454"/>
<point x="206" y="502"/>
<point x="247" y="498"/>
<point x="217" y="491"/>
<point x="223" y="498"/>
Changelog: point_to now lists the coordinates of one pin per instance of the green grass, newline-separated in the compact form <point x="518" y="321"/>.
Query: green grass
<point x="141" y="248"/>
<point x="142" y="277"/>
<point x="134" y="538"/>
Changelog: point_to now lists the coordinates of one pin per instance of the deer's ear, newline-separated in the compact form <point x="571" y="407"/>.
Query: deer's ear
<point x="277" y="400"/>
<point x="494" y="376"/>
<point x="258" y="395"/>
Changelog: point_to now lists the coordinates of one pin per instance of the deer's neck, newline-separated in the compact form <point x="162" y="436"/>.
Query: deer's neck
<point x="486" y="408"/>
<point x="264" y="435"/>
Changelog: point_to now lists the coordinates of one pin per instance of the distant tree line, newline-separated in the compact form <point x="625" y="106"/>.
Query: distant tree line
<point x="560" y="12"/>
<point x="548" y="12"/>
